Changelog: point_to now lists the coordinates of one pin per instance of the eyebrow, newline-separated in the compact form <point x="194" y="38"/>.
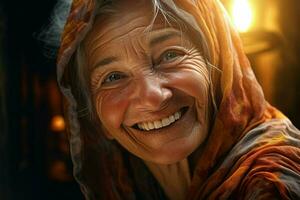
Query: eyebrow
<point x="163" y="37"/>
<point x="154" y="41"/>
<point x="105" y="61"/>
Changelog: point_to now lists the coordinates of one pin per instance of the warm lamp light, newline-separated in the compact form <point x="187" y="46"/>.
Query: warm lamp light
<point x="242" y="15"/>
<point x="57" y="123"/>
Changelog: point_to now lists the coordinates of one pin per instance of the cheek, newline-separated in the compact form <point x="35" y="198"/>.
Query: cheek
<point x="192" y="80"/>
<point x="111" y="107"/>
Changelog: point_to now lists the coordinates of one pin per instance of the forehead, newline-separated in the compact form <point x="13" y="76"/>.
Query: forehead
<point x="123" y="18"/>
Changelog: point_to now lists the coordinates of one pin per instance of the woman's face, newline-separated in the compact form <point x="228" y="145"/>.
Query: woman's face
<point x="149" y="86"/>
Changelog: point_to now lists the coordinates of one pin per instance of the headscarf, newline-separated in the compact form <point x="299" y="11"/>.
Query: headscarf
<point x="252" y="149"/>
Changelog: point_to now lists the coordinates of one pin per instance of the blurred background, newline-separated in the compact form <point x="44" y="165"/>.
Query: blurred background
<point x="34" y="156"/>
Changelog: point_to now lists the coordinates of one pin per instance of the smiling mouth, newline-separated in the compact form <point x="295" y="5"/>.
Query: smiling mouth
<point x="162" y="123"/>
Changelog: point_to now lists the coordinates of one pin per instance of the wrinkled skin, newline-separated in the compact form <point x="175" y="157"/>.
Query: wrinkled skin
<point x="142" y="75"/>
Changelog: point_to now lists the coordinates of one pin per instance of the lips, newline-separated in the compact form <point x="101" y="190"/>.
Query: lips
<point x="161" y="123"/>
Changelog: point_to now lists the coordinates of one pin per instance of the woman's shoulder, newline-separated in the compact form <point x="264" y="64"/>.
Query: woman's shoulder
<point x="276" y="132"/>
<point x="268" y="160"/>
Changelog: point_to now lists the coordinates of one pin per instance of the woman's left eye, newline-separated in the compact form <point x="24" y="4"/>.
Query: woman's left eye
<point x="170" y="56"/>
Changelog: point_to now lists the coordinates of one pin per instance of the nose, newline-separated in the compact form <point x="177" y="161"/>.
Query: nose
<point x="151" y="94"/>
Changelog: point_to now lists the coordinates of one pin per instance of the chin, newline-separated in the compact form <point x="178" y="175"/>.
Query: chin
<point x="172" y="153"/>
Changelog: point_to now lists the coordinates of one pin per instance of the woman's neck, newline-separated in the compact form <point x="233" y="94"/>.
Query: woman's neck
<point x="175" y="178"/>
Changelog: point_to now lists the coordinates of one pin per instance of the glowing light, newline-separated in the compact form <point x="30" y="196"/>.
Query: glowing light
<point x="242" y="15"/>
<point x="58" y="123"/>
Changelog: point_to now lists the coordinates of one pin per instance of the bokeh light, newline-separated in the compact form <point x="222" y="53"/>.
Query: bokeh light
<point x="242" y="15"/>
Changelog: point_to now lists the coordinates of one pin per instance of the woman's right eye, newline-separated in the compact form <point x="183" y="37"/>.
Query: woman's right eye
<point x="113" y="77"/>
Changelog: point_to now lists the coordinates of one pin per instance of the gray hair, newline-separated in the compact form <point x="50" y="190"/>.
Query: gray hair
<point x="50" y="35"/>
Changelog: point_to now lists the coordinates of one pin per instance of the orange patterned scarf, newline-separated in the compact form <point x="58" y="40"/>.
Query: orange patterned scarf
<point x="252" y="152"/>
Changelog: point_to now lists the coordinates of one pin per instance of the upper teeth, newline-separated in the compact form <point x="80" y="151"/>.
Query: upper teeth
<point x="159" y="123"/>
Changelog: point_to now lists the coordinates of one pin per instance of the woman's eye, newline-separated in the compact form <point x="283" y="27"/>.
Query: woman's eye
<point x="170" y="56"/>
<point x="112" y="77"/>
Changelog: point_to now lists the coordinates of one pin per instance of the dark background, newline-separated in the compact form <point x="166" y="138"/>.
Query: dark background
<point x="34" y="162"/>
<point x="34" y="157"/>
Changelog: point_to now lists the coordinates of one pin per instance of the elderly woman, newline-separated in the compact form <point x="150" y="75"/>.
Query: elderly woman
<point x="162" y="103"/>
